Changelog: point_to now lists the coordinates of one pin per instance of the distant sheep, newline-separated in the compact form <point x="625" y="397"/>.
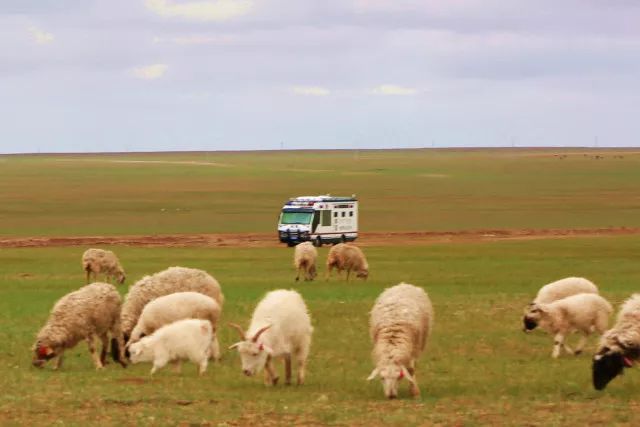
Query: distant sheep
<point x="96" y="261"/>
<point x="91" y="311"/>
<point x="582" y="312"/>
<point x="304" y="259"/>
<point x="169" y="281"/>
<point x="349" y="257"/>
<point x="561" y="289"/>
<point x="180" y="305"/>
<point x="620" y="346"/>
<point x="186" y="339"/>
<point x="400" y="325"/>
<point x="280" y="327"/>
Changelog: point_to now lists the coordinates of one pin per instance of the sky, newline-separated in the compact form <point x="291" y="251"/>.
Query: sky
<point x="155" y="75"/>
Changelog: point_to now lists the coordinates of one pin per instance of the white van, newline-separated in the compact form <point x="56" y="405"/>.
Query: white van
<point x="319" y="219"/>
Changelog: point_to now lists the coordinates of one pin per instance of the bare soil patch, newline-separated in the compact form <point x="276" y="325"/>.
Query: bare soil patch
<point x="262" y="240"/>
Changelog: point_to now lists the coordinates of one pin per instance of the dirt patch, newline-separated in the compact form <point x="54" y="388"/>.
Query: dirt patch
<point x="264" y="240"/>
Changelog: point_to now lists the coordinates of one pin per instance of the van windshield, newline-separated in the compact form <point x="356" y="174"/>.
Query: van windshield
<point x="296" y="217"/>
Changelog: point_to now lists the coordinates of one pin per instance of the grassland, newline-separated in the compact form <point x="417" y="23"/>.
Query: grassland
<point x="406" y="190"/>
<point x="480" y="368"/>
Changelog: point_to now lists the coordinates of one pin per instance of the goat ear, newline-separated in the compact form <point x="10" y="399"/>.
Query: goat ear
<point x="267" y="349"/>
<point x="373" y="374"/>
<point x="231" y="347"/>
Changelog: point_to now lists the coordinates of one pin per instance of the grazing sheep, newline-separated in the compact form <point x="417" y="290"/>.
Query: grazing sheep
<point x="400" y="325"/>
<point x="620" y="346"/>
<point x="346" y="256"/>
<point x="582" y="312"/>
<point x="304" y="259"/>
<point x="91" y="311"/>
<point x="280" y="327"/>
<point x="561" y="289"/>
<point x="102" y="261"/>
<point x="169" y="281"/>
<point x="180" y="305"/>
<point x="186" y="339"/>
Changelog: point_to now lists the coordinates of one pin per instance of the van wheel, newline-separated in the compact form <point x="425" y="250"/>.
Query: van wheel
<point x="343" y="239"/>
<point x="318" y="242"/>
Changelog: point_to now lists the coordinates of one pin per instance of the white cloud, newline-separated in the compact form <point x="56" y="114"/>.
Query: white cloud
<point x="40" y="36"/>
<point x="196" y="39"/>
<point x="393" y="90"/>
<point x="210" y="10"/>
<point x="150" y="72"/>
<point x="310" y="90"/>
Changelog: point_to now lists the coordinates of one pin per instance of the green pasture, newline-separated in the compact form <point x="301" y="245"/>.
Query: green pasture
<point x="479" y="369"/>
<point x="400" y="190"/>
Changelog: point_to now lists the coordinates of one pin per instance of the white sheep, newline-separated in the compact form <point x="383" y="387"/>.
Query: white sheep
<point x="169" y="281"/>
<point x="619" y="346"/>
<point x="304" y="259"/>
<point x="96" y="261"/>
<point x="186" y="339"/>
<point x="584" y="313"/>
<point x="91" y="311"/>
<point x="180" y="305"/>
<point x="400" y="325"/>
<point x="561" y="289"/>
<point x="280" y="327"/>
<point x="349" y="257"/>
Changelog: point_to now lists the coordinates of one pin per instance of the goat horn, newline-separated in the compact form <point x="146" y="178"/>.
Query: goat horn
<point x="239" y="328"/>
<point x="260" y="331"/>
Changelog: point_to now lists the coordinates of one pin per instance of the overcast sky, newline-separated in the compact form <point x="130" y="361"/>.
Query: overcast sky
<point x="131" y="75"/>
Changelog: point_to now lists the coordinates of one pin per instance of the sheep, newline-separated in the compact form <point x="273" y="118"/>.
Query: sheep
<point x="619" y="347"/>
<point x="348" y="257"/>
<point x="171" y="280"/>
<point x="304" y="259"/>
<point x="91" y="311"/>
<point x="400" y="325"/>
<point x="585" y="313"/>
<point x="186" y="339"/>
<point x="96" y="261"/>
<point x="280" y="327"/>
<point x="561" y="289"/>
<point x="180" y="305"/>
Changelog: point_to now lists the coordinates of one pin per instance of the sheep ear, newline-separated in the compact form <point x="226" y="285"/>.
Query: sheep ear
<point x="231" y="347"/>
<point x="373" y="374"/>
<point x="597" y="357"/>
<point x="408" y="376"/>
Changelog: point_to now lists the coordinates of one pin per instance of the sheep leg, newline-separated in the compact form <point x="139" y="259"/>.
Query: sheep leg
<point x="158" y="363"/>
<point x="581" y="344"/>
<point x="94" y="354"/>
<point x="348" y="274"/>
<point x="58" y="364"/>
<point x="203" y="366"/>
<point x="215" y="348"/>
<point x="287" y="369"/>
<point x="301" y="359"/>
<point x="105" y="348"/>
<point x="88" y="271"/>
<point x="271" y="377"/>
<point x="558" y="343"/>
<point x="413" y="386"/>
<point x="298" y="274"/>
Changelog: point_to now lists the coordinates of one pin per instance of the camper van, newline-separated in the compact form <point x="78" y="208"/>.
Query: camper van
<point x="319" y="219"/>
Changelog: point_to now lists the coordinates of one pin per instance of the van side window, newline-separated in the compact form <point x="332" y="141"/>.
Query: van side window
<point x="335" y="214"/>
<point x="326" y="218"/>
<point x="351" y="213"/>
<point x="343" y="214"/>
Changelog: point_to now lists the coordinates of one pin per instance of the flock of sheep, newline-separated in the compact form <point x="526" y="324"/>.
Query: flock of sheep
<point x="173" y="315"/>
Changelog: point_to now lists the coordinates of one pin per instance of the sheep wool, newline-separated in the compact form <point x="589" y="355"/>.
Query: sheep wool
<point x="96" y="261"/>
<point x="619" y="347"/>
<point x="400" y="325"/>
<point x="304" y="260"/>
<point x="91" y="311"/>
<point x="171" y="280"/>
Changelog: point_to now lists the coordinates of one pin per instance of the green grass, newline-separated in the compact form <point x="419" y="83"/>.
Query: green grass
<point x="480" y="369"/>
<point x="403" y="190"/>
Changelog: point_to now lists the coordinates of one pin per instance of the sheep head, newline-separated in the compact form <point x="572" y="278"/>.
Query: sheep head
<point x="253" y="353"/>
<point x="43" y="353"/>
<point x="610" y="361"/>
<point x="533" y="315"/>
<point x="390" y="375"/>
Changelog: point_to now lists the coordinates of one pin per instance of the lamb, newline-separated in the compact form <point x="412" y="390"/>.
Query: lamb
<point x="91" y="311"/>
<point x="280" y="327"/>
<point x="304" y="259"/>
<point x="561" y="289"/>
<point x="180" y="305"/>
<point x="96" y="261"/>
<point x="348" y="257"/>
<point x="186" y="339"/>
<point x="619" y="346"/>
<point x="171" y="280"/>
<point x="400" y="325"/>
<point x="582" y="312"/>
